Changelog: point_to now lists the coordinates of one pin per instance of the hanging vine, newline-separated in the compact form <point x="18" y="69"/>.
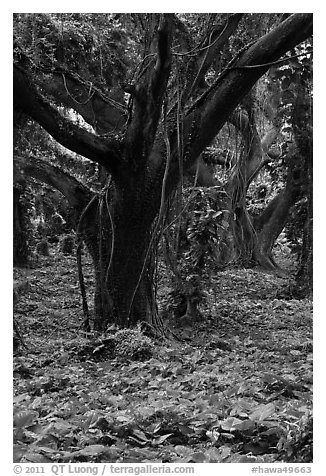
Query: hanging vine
<point x="86" y="323"/>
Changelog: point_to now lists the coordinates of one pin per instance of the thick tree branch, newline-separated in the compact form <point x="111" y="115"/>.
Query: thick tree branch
<point x="163" y="63"/>
<point x="103" y="113"/>
<point x="235" y="82"/>
<point x="255" y="171"/>
<point x="215" y="40"/>
<point x="66" y="132"/>
<point x="160" y="76"/>
<point x="196" y="61"/>
<point x="77" y="194"/>
<point x="209" y="113"/>
<point x="148" y="94"/>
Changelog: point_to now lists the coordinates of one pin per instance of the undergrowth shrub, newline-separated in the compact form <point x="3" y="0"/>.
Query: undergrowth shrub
<point x="125" y="344"/>
<point x="297" y="447"/>
<point x="133" y="344"/>
<point x="42" y="248"/>
<point x="198" y="252"/>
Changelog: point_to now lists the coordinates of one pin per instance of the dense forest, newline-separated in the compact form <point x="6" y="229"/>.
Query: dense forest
<point x="162" y="216"/>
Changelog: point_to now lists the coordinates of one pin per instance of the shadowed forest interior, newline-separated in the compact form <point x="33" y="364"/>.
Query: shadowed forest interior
<point x="163" y="248"/>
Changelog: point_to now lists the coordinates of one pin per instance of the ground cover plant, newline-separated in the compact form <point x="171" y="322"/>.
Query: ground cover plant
<point x="234" y="387"/>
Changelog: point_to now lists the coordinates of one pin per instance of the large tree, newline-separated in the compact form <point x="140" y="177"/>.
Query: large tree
<point x="147" y="143"/>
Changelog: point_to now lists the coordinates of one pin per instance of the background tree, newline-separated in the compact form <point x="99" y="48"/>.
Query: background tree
<point x="145" y="117"/>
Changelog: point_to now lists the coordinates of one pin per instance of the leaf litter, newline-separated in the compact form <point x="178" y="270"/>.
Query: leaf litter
<point x="240" y="390"/>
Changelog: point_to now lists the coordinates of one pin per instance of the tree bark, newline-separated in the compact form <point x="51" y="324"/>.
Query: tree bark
<point x="117" y="232"/>
<point x="270" y="228"/>
<point x="73" y="190"/>
<point x="304" y="277"/>
<point x="303" y="136"/>
<point x="20" y="233"/>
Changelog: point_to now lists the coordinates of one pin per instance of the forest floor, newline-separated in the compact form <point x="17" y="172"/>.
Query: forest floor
<point x="236" y="387"/>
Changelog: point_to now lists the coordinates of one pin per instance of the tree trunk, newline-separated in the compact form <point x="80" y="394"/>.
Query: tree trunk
<point x="272" y="221"/>
<point x="269" y="226"/>
<point x="119" y="236"/>
<point x="299" y="183"/>
<point x="20" y="251"/>
<point x="303" y="135"/>
<point x="304" y="278"/>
